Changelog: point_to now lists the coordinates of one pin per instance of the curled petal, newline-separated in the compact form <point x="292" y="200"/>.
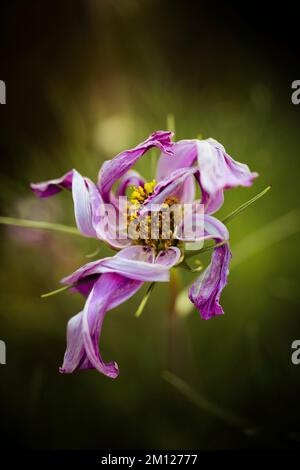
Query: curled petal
<point x="206" y="291"/>
<point x="86" y="285"/>
<point x="170" y="186"/>
<point x="114" y="169"/>
<point x="167" y="165"/>
<point x="214" y="228"/>
<point x="135" y="262"/>
<point x="169" y="257"/>
<point x="51" y="187"/>
<point x="83" y="205"/>
<point x="81" y="188"/>
<point x="217" y="170"/>
<point x="105" y="220"/>
<point x="84" y="329"/>
<point x="184" y="157"/>
<point x="132" y="178"/>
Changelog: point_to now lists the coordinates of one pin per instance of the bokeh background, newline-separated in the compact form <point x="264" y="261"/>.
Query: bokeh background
<point x="85" y="80"/>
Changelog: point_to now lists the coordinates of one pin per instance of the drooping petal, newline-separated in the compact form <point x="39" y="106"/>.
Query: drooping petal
<point x="51" y="187"/>
<point x="209" y="228"/>
<point x="217" y="170"/>
<point x="132" y="178"/>
<point x="215" y="229"/>
<point x="170" y="186"/>
<point x="169" y="257"/>
<point x="84" y="329"/>
<point x="114" y="169"/>
<point x="81" y="190"/>
<point x="85" y="285"/>
<point x="167" y="165"/>
<point x="105" y="220"/>
<point x="184" y="157"/>
<point x="206" y="291"/>
<point x="83" y="208"/>
<point x="134" y="262"/>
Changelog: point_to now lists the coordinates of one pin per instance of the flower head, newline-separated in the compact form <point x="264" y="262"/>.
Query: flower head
<point x="149" y="241"/>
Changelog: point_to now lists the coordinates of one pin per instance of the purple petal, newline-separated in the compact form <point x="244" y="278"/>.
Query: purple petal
<point x="217" y="170"/>
<point x="169" y="257"/>
<point x="205" y="293"/>
<point x="82" y="190"/>
<point x="114" y="169"/>
<point x="105" y="220"/>
<point x="86" y="285"/>
<point x="82" y="204"/>
<point x="132" y="178"/>
<point x="170" y="186"/>
<point x="84" y="329"/>
<point x="214" y="228"/>
<point x="183" y="157"/>
<point x="135" y="262"/>
<point x="51" y="187"/>
<point x="209" y="227"/>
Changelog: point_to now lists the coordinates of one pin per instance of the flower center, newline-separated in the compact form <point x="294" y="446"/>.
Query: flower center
<point x="153" y="228"/>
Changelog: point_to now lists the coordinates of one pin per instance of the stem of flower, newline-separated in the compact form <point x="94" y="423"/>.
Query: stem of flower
<point x="56" y="291"/>
<point x="207" y="406"/>
<point x="39" y="224"/>
<point x="144" y="301"/>
<point x="227" y="219"/>
<point x="190" y="253"/>
<point x="245" y="205"/>
<point x="171" y="122"/>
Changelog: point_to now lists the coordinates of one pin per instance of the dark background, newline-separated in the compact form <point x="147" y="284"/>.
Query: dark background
<point x="85" y="80"/>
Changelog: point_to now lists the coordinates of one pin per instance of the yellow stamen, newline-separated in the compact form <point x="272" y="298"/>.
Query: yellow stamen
<point x="140" y="194"/>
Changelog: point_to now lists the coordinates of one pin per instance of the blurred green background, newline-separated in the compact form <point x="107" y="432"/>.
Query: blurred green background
<point x="86" y="80"/>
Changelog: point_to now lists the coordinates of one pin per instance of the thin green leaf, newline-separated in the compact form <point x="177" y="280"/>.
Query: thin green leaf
<point x="35" y="224"/>
<point x="56" y="291"/>
<point x="171" y="122"/>
<point x="227" y="219"/>
<point x="186" y="266"/>
<point x="144" y="300"/>
<point x="206" y="405"/>
<point x="190" y="253"/>
<point x="273" y="232"/>
<point x="94" y="253"/>
<point x="245" y="205"/>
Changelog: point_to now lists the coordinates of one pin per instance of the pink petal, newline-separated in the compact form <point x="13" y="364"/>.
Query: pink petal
<point x="114" y="169"/>
<point x="84" y="329"/>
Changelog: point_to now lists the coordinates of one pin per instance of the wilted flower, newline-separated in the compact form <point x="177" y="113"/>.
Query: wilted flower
<point x="110" y="281"/>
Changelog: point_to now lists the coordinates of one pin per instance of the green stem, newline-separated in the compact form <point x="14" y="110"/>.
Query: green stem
<point x="39" y="224"/>
<point x="191" y="253"/>
<point x="245" y="205"/>
<point x="144" y="300"/>
<point x="227" y="219"/>
<point x="171" y="122"/>
<point x="56" y="291"/>
<point x="205" y="405"/>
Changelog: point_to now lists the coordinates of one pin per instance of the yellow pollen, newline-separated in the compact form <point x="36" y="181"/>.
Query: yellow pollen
<point x="140" y="194"/>
<point x="166" y="238"/>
